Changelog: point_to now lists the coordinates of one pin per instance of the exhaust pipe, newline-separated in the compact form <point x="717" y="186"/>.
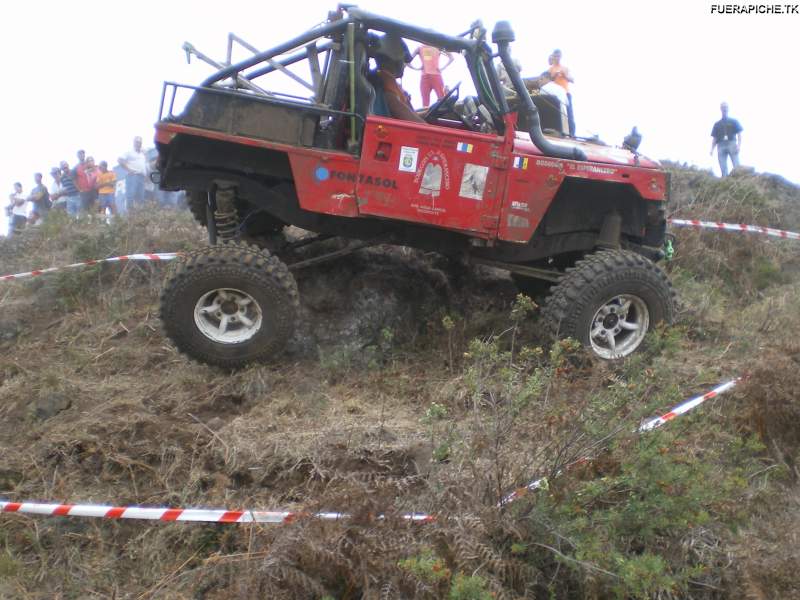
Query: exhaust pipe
<point x="503" y="35"/>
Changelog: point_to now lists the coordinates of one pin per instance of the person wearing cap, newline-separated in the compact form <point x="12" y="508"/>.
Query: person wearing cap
<point x="391" y="55"/>
<point x="561" y="75"/>
<point x="726" y="136"/>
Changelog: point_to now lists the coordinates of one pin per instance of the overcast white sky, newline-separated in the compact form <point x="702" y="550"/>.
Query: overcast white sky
<point x="88" y="75"/>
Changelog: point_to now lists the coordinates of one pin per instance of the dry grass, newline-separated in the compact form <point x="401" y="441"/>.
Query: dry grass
<point x="95" y="406"/>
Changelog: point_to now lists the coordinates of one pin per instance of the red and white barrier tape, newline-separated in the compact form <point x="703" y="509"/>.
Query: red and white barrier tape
<point x="172" y="255"/>
<point x="648" y="425"/>
<point x="278" y="517"/>
<point x="200" y="515"/>
<point x="685" y="407"/>
<point x="790" y="235"/>
<point x="146" y="257"/>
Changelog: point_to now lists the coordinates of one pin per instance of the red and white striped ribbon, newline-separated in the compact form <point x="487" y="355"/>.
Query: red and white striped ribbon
<point x="685" y="407"/>
<point x="257" y="516"/>
<point x="202" y="515"/>
<point x="790" y="235"/>
<point x="87" y="263"/>
<point x="648" y="425"/>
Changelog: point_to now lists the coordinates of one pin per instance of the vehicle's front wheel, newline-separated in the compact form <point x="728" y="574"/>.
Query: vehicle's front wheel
<point x="229" y="305"/>
<point x="609" y="301"/>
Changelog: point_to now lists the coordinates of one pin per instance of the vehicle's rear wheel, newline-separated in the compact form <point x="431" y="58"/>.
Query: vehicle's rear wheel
<point x="229" y="305"/>
<point x="609" y="301"/>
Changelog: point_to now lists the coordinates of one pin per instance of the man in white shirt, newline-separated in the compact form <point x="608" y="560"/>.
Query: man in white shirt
<point x="135" y="164"/>
<point x="57" y="196"/>
<point x="17" y="210"/>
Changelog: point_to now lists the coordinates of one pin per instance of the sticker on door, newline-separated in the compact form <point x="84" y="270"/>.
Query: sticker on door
<point x="408" y="159"/>
<point x="473" y="181"/>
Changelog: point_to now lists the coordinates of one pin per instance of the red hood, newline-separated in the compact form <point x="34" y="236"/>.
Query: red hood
<point x="594" y="152"/>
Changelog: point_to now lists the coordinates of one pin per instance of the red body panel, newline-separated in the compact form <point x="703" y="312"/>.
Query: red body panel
<point x="326" y="183"/>
<point x="441" y="176"/>
<point x="535" y="179"/>
<point x="445" y="177"/>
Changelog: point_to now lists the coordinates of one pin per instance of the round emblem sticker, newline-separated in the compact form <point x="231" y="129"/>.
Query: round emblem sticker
<point x="321" y="174"/>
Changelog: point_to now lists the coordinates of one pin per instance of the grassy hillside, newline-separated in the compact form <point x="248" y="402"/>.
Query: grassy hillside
<point x="409" y="386"/>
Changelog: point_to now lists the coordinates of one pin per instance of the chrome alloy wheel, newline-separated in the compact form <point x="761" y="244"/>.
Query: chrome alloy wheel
<point x="619" y="326"/>
<point x="227" y="316"/>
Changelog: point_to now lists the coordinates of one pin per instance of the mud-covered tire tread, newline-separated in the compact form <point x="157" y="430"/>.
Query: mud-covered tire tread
<point x="231" y="259"/>
<point x="581" y="283"/>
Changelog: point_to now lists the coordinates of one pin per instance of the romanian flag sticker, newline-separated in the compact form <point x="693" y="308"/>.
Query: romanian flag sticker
<point x="464" y="147"/>
<point x="520" y="162"/>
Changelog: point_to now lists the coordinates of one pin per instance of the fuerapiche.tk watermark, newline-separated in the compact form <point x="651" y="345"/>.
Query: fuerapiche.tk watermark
<point x="755" y="9"/>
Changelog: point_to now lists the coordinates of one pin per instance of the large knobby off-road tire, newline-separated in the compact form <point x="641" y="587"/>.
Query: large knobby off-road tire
<point x="609" y="301"/>
<point x="229" y="305"/>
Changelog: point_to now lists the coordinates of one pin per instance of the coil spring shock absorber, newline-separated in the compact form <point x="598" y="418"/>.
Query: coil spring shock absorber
<point x="225" y="217"/>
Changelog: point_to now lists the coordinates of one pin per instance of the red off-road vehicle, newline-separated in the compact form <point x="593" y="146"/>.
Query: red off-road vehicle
<point x="479" y="179"/>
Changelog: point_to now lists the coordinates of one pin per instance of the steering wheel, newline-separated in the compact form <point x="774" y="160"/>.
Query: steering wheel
<point x="442" y="105"/>
<point x="475" y="116"/>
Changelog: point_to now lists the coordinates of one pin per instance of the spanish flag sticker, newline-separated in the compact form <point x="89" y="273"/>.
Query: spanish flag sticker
<point x="520" y="162"/>
<point x="464" y="147"/>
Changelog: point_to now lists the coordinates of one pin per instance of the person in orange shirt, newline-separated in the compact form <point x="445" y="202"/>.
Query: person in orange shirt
<point x="431" y="79"/>
<point x="391" y="55"/>
<point x="106" y="184"/>
<point x="561" y="75"/>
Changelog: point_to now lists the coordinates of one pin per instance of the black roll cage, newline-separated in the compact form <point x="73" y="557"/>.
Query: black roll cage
<point x="333" y="35"/>
<point x="346" y="35"/>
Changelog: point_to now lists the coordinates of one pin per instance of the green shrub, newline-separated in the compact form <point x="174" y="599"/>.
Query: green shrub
<point x="469" y="587"/>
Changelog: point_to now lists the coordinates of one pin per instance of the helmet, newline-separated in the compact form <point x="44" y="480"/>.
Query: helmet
<point x="392" y="47"/>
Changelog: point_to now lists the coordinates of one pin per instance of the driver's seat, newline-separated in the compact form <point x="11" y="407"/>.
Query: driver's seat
<point x="365" y="92"/>
<point x="379" y="104"/>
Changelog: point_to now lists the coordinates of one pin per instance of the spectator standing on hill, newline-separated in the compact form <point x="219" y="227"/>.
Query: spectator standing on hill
<point x="80" y="176"/>
<point x="106" y="185"/>
<point x="561" y="75"/>
<point x="16" y="210"/>
<point x="135" y="164"/>
<point x="69" y="190"/>
<point x="431" y="79"/>
<point x="726" y="135"/>
<point x="40" y="199"/>
<point x="57" y="198"/>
